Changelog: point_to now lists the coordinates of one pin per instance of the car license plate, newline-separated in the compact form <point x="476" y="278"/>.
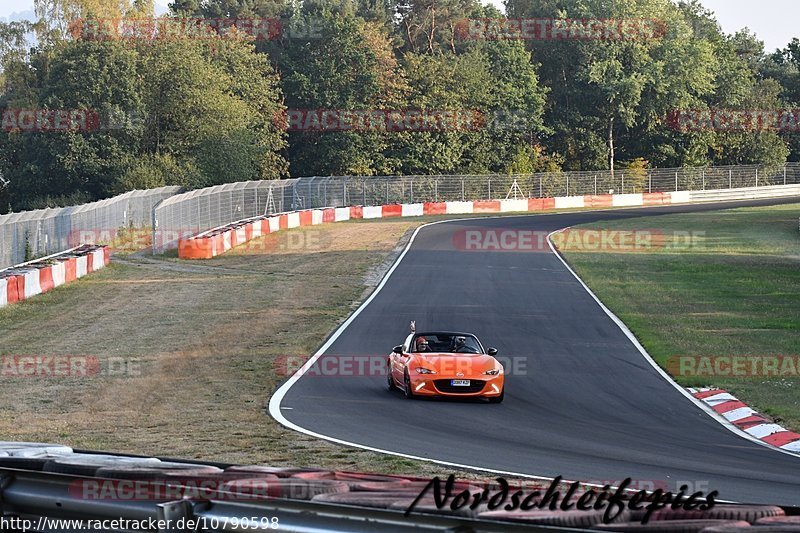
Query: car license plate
<point x="460" y="383"/>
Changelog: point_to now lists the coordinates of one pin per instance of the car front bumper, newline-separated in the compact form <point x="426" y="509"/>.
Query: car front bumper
<point x="438" y="385"/>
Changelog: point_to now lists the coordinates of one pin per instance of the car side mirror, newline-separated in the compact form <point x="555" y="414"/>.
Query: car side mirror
<point x="398" y="349"/>
<point x="492" y="351"/>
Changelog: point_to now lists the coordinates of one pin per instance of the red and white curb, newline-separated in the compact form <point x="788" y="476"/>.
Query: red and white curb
<point x="25" y="281"/>
<point x="747" y="419"/>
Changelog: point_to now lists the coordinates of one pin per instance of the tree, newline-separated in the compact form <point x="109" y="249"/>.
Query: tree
<point x="58" y="19"/>
<point x="427" y="26"/>
<point x="193" y="113"/>
<point x="496" y="81"/>
<point x="784" y="67"/>
<point x="351" y="67"/>
<point x="208" y="103"/>
<point x="97" y="78"/>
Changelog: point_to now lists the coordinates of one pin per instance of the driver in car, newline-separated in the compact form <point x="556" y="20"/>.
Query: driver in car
<point x="422" y="344"/>
<point x="459" y="344"/>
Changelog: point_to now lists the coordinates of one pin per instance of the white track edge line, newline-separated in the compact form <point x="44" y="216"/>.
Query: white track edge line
<point x="628" y="333"/>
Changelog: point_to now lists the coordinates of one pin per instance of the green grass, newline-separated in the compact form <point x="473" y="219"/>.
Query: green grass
<point x="735" y="291"/>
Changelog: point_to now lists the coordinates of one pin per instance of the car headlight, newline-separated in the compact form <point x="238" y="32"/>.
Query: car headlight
<point x="421" y="370"/>
<point x="492" y="372"/>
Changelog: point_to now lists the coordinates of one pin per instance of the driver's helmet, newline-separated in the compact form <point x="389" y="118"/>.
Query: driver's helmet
<point x="422" y="344"/>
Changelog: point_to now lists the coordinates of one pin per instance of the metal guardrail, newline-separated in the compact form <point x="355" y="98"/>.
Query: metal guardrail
<point x="32" y="495"/>
<point x="750" y="193"/>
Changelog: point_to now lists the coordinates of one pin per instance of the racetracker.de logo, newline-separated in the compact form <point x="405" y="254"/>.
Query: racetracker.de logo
<point x="46" y="120"/>
<point x="222" y="487"/>
<point x="574" y="240"/>
<point x="734" y="365"/>
<point x="735" y="120"/>
<point x="376" y="366"/>
<point x="552" y="29"/>
<point x="648" y="485"/>
<point x="388" y="120"/>
<point x="166" y="28"/>
<point x="380" y="120"/>
<point x="66" y="366"/>
<point x="132" y="239"/>
<point x="308" y="240"/>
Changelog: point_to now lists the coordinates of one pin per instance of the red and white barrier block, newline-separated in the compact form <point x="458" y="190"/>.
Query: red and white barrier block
<point x="219" y="240"/>
<point x="30" y="279"/>
<point x="747" y="419"/>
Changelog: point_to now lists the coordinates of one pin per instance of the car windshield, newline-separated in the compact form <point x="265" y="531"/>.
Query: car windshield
<point x="446" y="342"/>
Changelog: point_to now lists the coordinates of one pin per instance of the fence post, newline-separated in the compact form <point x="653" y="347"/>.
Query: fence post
<point x="622" y="189"/>
<point x="154" y="244"/>
<point x="489" y="184"/>
<point x="540" y="187"/>
<point x="730" y="178"/>
<point x="462" y="190"/>
<point x="364" y="192"/>
<point x="784" y="174"/>
<point x="703" y="173"/>
<point x="411" y="185"/>
<point x="436" y="189"/>
<point x="387" y="191"/>
<point x="649" y="182"/>
<point x="756" y="176"/>
<point x="595" y="184"/>
<point x="676" y="182"/>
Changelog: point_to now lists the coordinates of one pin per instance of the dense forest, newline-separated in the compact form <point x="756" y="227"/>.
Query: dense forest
<point x="95" y="101"/>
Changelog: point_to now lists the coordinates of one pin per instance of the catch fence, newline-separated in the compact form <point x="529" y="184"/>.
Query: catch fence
<point x="172" y="213"/>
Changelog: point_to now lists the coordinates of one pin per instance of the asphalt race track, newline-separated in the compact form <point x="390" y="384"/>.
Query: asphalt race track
<point x="589" y="407"/>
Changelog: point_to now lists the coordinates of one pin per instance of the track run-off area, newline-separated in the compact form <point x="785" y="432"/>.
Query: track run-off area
<point x="586" y="402"/>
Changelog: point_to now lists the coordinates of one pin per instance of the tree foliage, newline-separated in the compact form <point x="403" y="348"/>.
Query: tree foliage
<point x="198" y="112"/>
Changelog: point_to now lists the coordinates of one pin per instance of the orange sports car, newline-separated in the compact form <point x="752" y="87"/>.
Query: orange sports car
<point x="448" y="364"/>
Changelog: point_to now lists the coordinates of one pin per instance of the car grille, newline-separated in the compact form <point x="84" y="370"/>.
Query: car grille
<point x="475" y="385"/>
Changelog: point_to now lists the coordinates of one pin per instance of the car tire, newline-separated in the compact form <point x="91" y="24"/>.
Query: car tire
<point x="498" y="399"/>
<point x="409" y="394"/>
<point x="390" y="386"/>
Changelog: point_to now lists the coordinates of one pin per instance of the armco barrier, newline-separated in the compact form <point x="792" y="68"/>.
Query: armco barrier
<point x="132" y="493"/>
<point x="217" y="241"/>
<point x="747" y="193"/>
<point x="25" y="281"/>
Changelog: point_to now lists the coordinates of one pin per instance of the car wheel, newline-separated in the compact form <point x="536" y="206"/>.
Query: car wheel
<point x="409" y="394"/>
<point x="498" y="399"/>
<point x="390" y="386"/>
